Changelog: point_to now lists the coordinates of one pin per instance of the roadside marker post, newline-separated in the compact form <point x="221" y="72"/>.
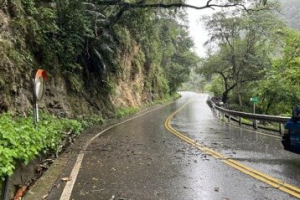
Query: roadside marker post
<point x="254" y="100"/>
<point x="38" y="92"/>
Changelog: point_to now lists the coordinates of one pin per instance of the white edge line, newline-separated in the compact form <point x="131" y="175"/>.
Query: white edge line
<point x="70" y="184"/>
<point x="66" y="194"/>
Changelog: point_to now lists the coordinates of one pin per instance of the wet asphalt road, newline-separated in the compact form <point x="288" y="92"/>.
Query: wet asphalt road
<point x="140" y="159"/>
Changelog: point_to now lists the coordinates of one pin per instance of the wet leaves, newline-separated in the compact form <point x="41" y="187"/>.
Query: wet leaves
<point x="20" y="193"/>
<point x="43" y="166"/>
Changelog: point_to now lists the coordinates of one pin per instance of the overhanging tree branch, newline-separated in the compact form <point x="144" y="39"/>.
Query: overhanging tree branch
<point x="125" y="6"/>
<point x="142" y="4"/>
<point x="172" y="5"/>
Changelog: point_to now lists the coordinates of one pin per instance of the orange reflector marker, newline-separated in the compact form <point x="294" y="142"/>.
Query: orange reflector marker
<point x="42" y="73"/>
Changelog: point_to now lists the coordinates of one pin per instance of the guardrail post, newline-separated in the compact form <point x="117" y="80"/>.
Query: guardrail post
<point x="221" y="112"/>
<point x="281" y="129"/>
<point x="254" y="124"/>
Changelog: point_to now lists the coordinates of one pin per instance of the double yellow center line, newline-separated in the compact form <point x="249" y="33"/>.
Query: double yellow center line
<point x="290" y="189"/>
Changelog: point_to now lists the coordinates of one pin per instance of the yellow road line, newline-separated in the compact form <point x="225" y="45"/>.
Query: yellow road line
<point x="290" y="189"/>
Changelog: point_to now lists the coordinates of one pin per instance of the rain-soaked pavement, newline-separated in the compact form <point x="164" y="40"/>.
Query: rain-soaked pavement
<point x="140" y="159"/>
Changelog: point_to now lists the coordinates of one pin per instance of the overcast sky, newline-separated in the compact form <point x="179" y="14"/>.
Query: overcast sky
<point x="197" y="29"/>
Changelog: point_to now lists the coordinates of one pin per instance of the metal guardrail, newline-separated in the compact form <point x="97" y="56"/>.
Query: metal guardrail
<point x="270" y="118"/>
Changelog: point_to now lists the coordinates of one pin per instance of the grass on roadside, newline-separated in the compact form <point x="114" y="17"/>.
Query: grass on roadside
<point x="121" y="112"/>
<point x="21" y="142"/>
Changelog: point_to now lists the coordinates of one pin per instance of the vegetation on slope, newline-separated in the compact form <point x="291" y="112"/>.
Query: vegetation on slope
<point x="88" y="50"/>
<point x="87" y="44"/>
<point x="21" y="141"/>
<point x="256" y="55"/>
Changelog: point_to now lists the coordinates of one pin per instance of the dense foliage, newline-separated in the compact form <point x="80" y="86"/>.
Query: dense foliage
<point x="255" y="55"/>
<point x="20" y="142"/>
<point x="243" y="49"/>
<point x="279" y="90"/>
<point x="85" y="41"/>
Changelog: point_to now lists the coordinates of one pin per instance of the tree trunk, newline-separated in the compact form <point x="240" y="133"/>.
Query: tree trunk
<point x="240" y="100"/>
<point x="225" y="96"/>
<point x="238" y="86"/>
<point x="269" y="105"/>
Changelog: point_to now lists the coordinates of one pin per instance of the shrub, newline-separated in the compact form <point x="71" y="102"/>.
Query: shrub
<point x="21" y="142"/>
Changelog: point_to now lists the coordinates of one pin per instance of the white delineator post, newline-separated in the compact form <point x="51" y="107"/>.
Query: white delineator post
<point x="254" y="100"/>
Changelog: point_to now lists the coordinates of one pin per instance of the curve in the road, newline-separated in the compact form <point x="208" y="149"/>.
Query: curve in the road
<point x="290" y="189"/>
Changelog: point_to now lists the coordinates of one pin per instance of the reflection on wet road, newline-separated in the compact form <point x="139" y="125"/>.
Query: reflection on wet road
<point x="141" y="159"/>
<point x="252" y="150"/>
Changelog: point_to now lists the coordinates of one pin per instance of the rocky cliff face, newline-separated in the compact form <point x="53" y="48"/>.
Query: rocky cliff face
<point x="18" y="67"/>
<point x="14" y="79"/>
<point x="130" y="88"/>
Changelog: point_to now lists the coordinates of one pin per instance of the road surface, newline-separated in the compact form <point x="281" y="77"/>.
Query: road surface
<point x="179" y="152"/>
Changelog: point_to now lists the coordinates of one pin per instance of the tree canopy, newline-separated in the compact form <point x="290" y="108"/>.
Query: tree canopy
<point x="253" y="55"/>
<point x="242" y="47"/>
<point x="280" y="86"/>
<point x="86" y="42"/>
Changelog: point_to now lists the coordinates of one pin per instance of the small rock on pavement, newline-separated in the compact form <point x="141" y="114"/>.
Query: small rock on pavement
<point x="112" y="197"/>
